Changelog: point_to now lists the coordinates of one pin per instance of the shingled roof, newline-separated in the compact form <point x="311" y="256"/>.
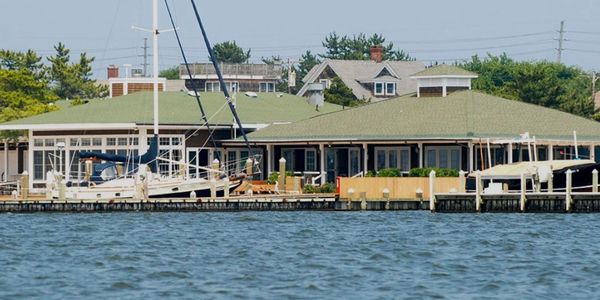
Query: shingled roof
<point x="444" y="70"/>
<point x="462" y="115"/>
<point x="353" y="71"/>
<point x="178" y="108"/>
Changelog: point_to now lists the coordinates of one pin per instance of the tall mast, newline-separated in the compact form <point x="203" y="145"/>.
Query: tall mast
<point x="155" y="34"/>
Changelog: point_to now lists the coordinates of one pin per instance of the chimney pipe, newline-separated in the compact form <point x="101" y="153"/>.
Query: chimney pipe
<point x="112" y="71"/>
<point x="377" y="53"/>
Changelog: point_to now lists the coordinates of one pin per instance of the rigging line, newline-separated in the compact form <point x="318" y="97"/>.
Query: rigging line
<point x="206" y="122"/>
<point x="187" y="67"/>
<point x="221" y="80"/>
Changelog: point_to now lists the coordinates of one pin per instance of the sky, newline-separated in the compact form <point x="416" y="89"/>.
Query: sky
<point x="430" y="30"/>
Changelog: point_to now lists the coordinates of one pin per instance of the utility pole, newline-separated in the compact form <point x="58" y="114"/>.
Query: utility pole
<point x="561" y="39"/>
<point x="145" y="64"/>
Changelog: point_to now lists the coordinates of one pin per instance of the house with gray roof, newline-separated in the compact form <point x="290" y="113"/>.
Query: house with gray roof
<point x="444" y="125"/>
<point x="372" y="80"/>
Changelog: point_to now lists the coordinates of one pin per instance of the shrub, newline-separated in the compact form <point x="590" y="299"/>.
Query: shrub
<point x="323" y="189"/>
<point x="439" y="172"/>
<point x="389" y="173"/>
<point x="272" y="179"/>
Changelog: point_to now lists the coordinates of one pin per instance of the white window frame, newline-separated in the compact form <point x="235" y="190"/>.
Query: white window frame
<point x="267" y="84"/>
<point x="438" y="149"/>
<point x="382" y="93"/>
<point x="325" y="82"/>
<point x="393" y="93"/>
<point x="398" y="151"/>
<point x="315" y="159"/>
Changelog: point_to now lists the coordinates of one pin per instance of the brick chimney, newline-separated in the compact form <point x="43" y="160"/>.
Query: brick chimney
<point x="377" y="53"/>
<point x="112" y="71"/>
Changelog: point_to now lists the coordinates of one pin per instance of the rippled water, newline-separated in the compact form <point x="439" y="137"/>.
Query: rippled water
<point x="352" y="255"/>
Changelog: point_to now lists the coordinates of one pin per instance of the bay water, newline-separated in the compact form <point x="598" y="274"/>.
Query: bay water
<point x="299" y="255"/>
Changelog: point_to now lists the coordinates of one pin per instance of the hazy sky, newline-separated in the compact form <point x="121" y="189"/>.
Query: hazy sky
<point x="427" y="29"/>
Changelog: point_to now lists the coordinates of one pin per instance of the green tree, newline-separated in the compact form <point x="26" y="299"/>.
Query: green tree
<point x="230" y="52"/>
<point x="543" y="83"/>
<point x="339" y="93"/>
<point x="358" y="47"/>
<point x="306" y="63"/>
<point x="170" y="73"/>
<point x="73" y="80"/>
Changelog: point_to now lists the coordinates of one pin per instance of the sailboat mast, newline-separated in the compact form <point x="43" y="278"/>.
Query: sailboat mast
<point x="155" y="34"/>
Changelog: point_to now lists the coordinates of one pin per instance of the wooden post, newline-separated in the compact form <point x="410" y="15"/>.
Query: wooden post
<point x="350" y="198"/>
<point x="281" y="179"/>
<point x="550" y="182"/>
<point x="432" y="190"/>
<point x="62" y="187"/>
<point x="363" y="200"/>
<point x="25" y="185"/>
<point x="226" y="188"/>
<point x="568" y="190"/>
<point x="215" y="166"/>
<point x="523" y="198"/>
<point x="478" y="191"/>
<point x="386" y="196"/>
<point x="88" y="170"/>
<point x="462" y="179"/>
<point x="249" y="174"/>
<point x="193" y="195"/>
<point x="595" y="181"/>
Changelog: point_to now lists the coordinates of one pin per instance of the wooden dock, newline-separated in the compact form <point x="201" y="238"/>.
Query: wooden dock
<point x="516" y="202"/>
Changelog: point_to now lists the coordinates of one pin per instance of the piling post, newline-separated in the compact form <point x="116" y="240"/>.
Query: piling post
<point x="523" y="198"/>
<point x="88" y="170"/>
<point x="213" y="189"/>
<point x="363" y="200"/>
<point x="193" y="195"/>
<point x="568" y="190"/>
<point x="462" y="179"/>
<point x="281" y="179"/>
<point x="350" y="196"/>
<point x="249" y="168"/>
<point x="215" y="166"/>
<point x="432" y="190"/>
<point x="595" y="181"/>
<point x="386" y="196"/>
<point x="478" y="191"/>
<point x="25" y="185"/>
<point x="550" y="183"/>
<point x="226" y="187"/>
<point x="62" y="187"/>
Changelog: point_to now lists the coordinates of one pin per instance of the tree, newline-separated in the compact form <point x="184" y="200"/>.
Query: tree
<point x="230" y="52"/>
<point x="307" y="62"/>
<point x="544" y="83"/>
<point x="358" y="47"/>
<point x="170" y="73"/>
<point x="73" y="80"/>
<point x="339" y="93"/>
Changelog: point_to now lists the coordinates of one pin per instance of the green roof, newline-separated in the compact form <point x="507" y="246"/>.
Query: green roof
<point x="178" y="108"/>
<point x="462" y="115"/>
<point x="442" y="70"/>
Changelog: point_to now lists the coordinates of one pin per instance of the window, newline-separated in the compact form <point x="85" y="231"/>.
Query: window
<point x="392" y="157"/>
<point x="310" y="160"/>
<point x="443" y="157"/>
<point x="210" y="86"/>
<point x="390" y="88"/>
<point x="379" y="89"/>
<point x="267" y="87"/>
<point x="325" y="82"/>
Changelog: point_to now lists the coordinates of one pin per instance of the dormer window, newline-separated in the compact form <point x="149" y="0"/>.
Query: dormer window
<point x="385" y="89"/>
<point x="390" y="88"/>
<point x="326" y="83"/>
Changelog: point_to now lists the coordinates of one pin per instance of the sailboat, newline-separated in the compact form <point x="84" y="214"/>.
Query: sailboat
<point x="102" y="180"/>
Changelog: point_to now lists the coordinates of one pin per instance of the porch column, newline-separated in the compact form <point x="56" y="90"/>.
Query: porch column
<point x="30" y="160"/>
<point x="420" y="155"/>
<point x="5" y="177"/>
<point x="510" y="153"/>
<point x="322" y="163"/>
<point x="269" y="157"/>
<point x="471" y="157"/>
<point x="365" y="158"/>
<point x="550" y="152"/>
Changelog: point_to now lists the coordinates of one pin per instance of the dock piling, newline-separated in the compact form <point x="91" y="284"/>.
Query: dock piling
<point x="595" y="181"/>
<point x="432" y="190"/>
<point x="281" y="179"/>
<point x="478" y="188"/>
<point x="363" y="200"/>
<point x="523" y="198"/>
<point x="550" y="183"/>
<point x="462" y="181"/>
<point x="569" y="190"/>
